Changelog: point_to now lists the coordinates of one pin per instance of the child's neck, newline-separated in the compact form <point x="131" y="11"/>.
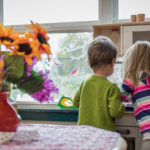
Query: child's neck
<point x="104" y="71"/>
<point x="100" y="74"/>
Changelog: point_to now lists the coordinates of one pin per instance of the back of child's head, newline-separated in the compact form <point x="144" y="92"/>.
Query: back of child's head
<point x="101" y="51"/>
<point x="136" y="59"/>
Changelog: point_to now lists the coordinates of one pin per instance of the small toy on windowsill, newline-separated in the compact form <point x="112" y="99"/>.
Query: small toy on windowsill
<point x="66" y="102"/>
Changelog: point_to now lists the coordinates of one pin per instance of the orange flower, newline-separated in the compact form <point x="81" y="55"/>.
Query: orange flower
<point x="7" y="37"/>
<point x="1" y="65"/>
<point x="27" y="49"/>
<point x="39" y="33"/>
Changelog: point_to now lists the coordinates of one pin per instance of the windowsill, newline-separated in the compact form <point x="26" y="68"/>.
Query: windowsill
<point x="62" y="110"/>
<point x="52" y="114"/>
<point x="48" y="114"/>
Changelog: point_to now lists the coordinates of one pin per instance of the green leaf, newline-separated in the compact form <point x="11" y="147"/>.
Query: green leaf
<point x="5" y="84"/>
<point x="14" y="65"/>
<point x="14" y="80"/>
<point x="32" y="84"/>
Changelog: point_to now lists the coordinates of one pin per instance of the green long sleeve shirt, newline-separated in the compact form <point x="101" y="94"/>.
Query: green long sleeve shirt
<point x="99" y="103"/>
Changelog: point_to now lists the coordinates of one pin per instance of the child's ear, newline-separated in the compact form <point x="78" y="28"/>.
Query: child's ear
<point x="113" y="62"/>
<point x="88" y="63"/>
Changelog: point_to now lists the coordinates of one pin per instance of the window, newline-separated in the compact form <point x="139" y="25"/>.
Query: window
<point x="69" y="25"/>
<point x="20" y="12"/>
<point x="69" y="54"/>
<point x="123" y="9"/>
<point x="68" y="66"/>
<point x="64" y="20"/>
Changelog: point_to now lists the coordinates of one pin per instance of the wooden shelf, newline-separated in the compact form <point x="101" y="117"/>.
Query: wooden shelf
<point x="96" y="28"/>
<point x="105" y="30"/>
<point x="123" y="24"/>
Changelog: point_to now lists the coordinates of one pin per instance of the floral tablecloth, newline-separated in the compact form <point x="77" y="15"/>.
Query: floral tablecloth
<point x="54" y="137"/>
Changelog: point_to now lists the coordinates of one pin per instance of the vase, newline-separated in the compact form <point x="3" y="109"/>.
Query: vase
<point x="9" y="121"/>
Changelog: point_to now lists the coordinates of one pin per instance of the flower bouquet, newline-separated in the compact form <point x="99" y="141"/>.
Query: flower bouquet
<point x="16" y="66"/>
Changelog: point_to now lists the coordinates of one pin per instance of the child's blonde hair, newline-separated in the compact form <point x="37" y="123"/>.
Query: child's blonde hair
<point x="136" y="59"/>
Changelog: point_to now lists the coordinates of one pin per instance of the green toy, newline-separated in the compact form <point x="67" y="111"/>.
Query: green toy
<point x="66" y="102"/>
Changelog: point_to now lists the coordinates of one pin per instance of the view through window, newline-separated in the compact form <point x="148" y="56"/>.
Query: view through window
<point x="68" y="65"/>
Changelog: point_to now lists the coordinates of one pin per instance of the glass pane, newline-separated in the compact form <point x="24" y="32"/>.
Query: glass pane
<point x="3" y="48"/>
<point x="18" y="12"/>
<point x="116" y="77"/>
<point x="131" y="7"/>
<point x="68" y="66"/>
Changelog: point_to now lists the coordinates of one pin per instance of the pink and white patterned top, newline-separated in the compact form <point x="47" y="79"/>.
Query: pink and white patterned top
<point x="54" y="137"/>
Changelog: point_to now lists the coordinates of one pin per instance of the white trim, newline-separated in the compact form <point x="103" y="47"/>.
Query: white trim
<point x="99" y="9"/>
<point x="1" y="11"/>
<point x="106" y="11"/>
<point x="115" y="11"/>
<point x="121" y="39"/>
<point x="27" y="104"/>
<point x="61" y="27"/>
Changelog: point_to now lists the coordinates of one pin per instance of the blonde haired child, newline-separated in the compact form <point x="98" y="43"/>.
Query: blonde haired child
<point x="137" y="85"/>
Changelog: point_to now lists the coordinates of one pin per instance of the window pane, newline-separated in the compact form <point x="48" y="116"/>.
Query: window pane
<point x="17" y="12"/>
<point x="68" y="66"/>
<point x="3" y="48"/>
<point x="69" y="54"/>
<point x="116" y="77"/>
<point x="131" y="7"/>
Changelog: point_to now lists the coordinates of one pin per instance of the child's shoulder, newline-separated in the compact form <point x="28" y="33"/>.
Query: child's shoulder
<point x="113" y="86"/>
<point x="100" y="81"/>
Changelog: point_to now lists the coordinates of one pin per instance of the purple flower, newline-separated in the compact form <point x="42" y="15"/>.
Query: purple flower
<point x="45" y="93"/>
<point x="29" y="68"/>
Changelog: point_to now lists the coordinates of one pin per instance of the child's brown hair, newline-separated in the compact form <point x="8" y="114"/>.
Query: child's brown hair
<point x="101" y="51"/>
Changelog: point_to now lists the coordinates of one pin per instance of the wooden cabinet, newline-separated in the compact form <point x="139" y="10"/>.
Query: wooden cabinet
<point x="129" y="33"/>
<point x="106" y="30"/>
<point x="129" y="129"/>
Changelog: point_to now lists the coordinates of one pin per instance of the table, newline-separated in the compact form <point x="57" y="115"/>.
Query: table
<point x="55" y="137"/>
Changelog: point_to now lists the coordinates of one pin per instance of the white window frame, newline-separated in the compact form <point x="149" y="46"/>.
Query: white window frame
<point x="59" y="27"/>
<point x="116" y="13"/>
<point x="105" y="16"/>
<point x="1" y="11"/>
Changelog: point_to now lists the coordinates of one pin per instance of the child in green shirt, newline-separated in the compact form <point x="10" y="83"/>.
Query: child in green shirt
<point x="99" y="100"/>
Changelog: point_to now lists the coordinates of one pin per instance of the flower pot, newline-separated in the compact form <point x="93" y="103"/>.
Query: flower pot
<point x="9" y="121"/>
